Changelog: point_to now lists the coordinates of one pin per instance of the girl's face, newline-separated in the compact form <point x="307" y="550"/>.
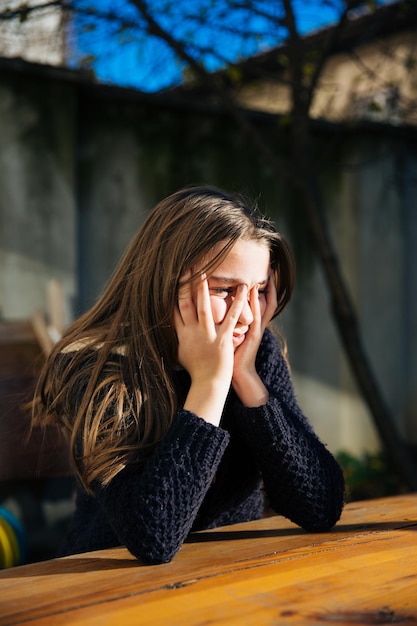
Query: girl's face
<point x="248" y="263"/>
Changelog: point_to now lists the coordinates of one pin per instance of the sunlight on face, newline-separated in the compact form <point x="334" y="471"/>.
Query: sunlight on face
<point x="248" y="263"/>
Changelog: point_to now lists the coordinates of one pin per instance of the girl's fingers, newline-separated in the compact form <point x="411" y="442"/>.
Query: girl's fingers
<point x="186" y="306"/>
<point x="204" y="313"/>
<point x="194" y="302"/>
<point x="236" y="308"/>
<point x="194" y="305"/>
<point x="254" y="304"/>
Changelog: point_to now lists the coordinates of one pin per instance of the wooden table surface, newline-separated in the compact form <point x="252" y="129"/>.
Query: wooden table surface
<point x="263" y="572"/>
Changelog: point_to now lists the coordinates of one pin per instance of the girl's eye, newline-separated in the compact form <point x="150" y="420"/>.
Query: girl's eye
<point x="224" y="292"/>
<point x="221" y="291"/>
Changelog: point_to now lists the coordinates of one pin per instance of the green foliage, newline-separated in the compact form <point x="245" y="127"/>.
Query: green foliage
<point x="368" y="476"/>
<point x="234" y="73"/>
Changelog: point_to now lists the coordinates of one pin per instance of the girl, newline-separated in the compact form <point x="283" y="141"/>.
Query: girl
<point x="175" y="394"/>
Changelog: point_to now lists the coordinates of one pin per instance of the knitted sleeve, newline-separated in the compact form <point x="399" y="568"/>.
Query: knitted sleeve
<point x="302" y="479"/>
<point x="151" y="511"/>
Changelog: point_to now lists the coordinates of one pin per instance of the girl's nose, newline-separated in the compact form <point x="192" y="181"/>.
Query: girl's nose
<point x="246" y="316"/>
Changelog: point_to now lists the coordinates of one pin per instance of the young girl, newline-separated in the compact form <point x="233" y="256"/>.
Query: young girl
<point x="175" y="394"/>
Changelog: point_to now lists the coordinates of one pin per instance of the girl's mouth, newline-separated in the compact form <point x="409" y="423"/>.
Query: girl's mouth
<point x="238" y="339"/>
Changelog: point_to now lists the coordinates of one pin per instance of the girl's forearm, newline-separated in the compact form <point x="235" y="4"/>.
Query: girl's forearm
<point x="207" y="400"/>
<point x="250" y="390"/>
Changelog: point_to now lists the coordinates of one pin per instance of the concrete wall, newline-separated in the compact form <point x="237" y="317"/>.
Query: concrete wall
<point x="81" y="166"/>
<point x="37" y="193"/>
<point x="372" y="207"/>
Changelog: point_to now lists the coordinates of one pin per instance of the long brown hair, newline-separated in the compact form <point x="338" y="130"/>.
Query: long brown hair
<point x="109" y="380"/>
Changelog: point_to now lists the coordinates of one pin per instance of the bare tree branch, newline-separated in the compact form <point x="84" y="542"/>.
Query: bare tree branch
<point x="24" y="10"/>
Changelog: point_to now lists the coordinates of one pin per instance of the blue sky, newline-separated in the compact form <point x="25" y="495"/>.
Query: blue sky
<point x="122" y="55"/>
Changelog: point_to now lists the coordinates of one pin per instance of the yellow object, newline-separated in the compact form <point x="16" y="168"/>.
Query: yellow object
<point x="12" y="537"/>
<point x="7" y="558"/>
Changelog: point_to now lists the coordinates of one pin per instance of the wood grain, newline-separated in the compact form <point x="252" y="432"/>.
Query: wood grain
<point x="263" y="572"/>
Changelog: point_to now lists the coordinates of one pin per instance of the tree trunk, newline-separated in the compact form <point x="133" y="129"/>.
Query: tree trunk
<point x="302" y="179"/>
<point x="343" y="309"/>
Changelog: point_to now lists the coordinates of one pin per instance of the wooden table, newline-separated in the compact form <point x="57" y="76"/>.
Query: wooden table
<point x="263" y="572"/>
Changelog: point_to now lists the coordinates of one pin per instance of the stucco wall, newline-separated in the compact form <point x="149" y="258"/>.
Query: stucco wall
<point x="80" y="167"/>
<point x="349" y="89"/>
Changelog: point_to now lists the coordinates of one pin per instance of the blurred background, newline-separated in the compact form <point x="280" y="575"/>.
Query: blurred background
<point x="308" y="107"/>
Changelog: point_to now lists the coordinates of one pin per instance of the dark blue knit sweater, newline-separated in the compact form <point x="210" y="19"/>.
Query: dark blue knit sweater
<point x="203" y="476"/>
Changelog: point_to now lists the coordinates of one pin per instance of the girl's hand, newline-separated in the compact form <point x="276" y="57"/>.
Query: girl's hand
<point x="205" y="349"/>
<point x="246" y="382"/>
